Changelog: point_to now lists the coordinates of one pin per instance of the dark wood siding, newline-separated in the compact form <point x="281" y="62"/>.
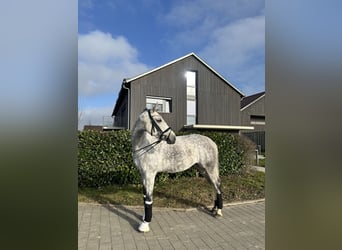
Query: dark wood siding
<point x="167" y="82"/>
<point x="121" y="118"/>
<point x="255" y="109"/>
<point x="217" y="102"/>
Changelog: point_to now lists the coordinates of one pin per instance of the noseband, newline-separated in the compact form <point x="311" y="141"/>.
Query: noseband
<point x="156" y="126"/>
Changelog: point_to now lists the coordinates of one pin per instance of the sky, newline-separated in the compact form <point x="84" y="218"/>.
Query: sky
<point x="121" y="39"/>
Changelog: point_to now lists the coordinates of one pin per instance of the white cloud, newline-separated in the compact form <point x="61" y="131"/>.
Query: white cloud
<point x="193" y="13"/>
<point x="98" y="46"/>
<point x="93" y="116"/>
<point x="104" y="61"/>
<point x="237" y="50"/>
<point x="237" y="42"/>
<point x="228" y="35"/>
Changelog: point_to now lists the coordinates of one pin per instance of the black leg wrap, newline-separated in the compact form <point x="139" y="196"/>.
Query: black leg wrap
<point x="218" y="201"/>
<point x="215" y="204"/>
<point x="148" y="212"/>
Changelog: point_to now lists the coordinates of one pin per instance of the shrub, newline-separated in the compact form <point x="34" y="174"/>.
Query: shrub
<point x="231" y="153"/>
<point x="106" y="158"/>
<point x="248" y="147"/>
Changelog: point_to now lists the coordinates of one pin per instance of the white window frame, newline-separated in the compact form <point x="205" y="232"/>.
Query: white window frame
<point x="163" y="103"/>
<point x="257" y="120"/>
<point x="191" y="98"/>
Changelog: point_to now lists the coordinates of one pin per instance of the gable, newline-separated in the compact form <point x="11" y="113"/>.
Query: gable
<point x="190" y="55"/>
<point x="168" y="82"/>
<point x="249" y="100"/>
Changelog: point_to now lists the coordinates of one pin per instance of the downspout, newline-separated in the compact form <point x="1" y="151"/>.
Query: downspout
<point x="128" y="103"/>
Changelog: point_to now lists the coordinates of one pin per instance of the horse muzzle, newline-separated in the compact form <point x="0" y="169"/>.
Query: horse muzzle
<point x="171" y="138"/>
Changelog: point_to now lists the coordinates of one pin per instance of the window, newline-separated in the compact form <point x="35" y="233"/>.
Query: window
<point x="163" y="104"/>
<point x="258" y="120"/>
<point x="191" y="106"/>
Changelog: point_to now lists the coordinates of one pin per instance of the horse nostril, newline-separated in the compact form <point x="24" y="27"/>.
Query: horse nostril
<point x="171" y="139"/>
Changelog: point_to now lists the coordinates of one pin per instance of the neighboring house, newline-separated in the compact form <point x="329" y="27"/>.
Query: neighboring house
<point x="253" y="114"/>
<point x="93" y="127"/>
<point x="188" y="93"/>
<point x="107" y="125"/>
<point x="101" y="128"/>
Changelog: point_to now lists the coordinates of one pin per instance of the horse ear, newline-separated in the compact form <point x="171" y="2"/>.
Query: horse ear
<point x="154" y="109"/>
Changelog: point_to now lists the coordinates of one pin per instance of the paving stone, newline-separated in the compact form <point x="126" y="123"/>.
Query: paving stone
<point x="103" y="227"/>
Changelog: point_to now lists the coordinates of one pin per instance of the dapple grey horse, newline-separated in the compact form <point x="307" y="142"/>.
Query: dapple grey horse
<point x="156" y="149"/>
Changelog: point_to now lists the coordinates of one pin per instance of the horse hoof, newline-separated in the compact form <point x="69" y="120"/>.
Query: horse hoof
<point x="218" y="213"/>
<point x="144" y="227"/>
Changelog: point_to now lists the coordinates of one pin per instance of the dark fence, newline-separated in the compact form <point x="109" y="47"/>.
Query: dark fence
<point x="258" y="137"/>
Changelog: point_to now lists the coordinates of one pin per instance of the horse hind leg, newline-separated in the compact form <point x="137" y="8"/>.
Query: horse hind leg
<point x="212" y="175"/>
<point x="218" y="204"/>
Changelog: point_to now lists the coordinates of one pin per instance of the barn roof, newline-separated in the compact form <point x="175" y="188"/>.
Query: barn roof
<point x="249" y="100"/>
<point x="181" y="58"/>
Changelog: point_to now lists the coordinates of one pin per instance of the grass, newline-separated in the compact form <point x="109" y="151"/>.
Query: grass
<point x="182" y="192"/>
<point x="262" y="162"/>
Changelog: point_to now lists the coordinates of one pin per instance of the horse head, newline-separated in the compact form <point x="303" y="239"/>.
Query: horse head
<point x="157" y="127"/>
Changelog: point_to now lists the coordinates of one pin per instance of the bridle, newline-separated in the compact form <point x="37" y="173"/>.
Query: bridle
<point x="155" y="126"/>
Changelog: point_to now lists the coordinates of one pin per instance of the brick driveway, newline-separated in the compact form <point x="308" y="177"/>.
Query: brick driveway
<point x="115" y="227"/>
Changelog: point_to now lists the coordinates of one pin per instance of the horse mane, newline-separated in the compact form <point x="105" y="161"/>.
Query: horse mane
<point x="138" y="129"/>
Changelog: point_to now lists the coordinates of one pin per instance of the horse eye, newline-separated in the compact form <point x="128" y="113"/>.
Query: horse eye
<point x="158" y="119"/>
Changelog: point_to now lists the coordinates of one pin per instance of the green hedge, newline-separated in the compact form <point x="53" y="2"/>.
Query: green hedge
<point x="106" y="158"/>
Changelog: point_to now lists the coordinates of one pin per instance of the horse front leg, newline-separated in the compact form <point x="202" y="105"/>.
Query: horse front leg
<point x="148" y="184"/>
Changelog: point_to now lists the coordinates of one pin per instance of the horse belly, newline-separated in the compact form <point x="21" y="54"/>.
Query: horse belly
<point x="179" y="160"/>
<point x="178" y="166"/>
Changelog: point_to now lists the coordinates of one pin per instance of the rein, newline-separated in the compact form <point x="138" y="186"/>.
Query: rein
<point x="154" y="126"/>
<point x="150" y="146"/>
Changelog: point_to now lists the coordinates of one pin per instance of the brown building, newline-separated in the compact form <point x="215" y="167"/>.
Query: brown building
<point x="188" y="94"/>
